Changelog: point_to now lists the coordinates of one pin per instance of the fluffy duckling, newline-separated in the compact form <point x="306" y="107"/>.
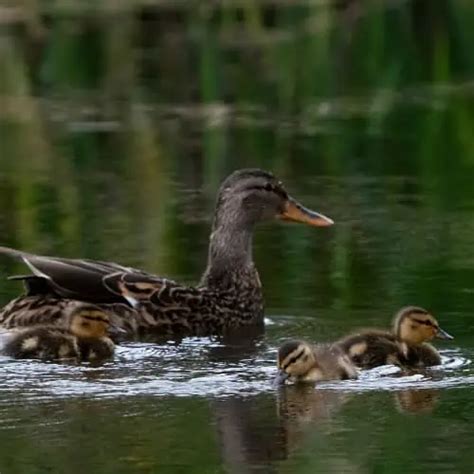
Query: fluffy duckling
<point x="301" y="362"/>
<point x="407" y="344"/>
<point x="85" y="339"/>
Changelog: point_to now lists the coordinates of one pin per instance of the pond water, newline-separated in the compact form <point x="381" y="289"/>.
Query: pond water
<point x="117" y="125"/>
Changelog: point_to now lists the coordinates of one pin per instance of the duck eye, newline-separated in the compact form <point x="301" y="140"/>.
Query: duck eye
<point x="268" y="187"/>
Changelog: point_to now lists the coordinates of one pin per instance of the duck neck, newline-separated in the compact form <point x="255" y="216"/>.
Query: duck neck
<point x="230" y="259"/>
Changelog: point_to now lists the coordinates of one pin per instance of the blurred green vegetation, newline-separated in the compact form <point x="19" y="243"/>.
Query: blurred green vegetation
<point x="119" y="120"/>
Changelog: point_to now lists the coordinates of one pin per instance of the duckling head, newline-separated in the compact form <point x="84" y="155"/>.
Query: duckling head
<point x="248" y="196"/>
<point x="296" y="359"/>
<point x="89" y="322"/>
<point x="415" y="325"/>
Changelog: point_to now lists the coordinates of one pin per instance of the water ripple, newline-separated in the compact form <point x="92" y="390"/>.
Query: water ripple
<point x="200" y="367"/>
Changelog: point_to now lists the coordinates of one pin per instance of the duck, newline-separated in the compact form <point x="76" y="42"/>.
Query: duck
<point x="228" y="296"/>
<point x="85" y="338"/>
<point x="299" y="361"/>
<point x="407" y="345"/>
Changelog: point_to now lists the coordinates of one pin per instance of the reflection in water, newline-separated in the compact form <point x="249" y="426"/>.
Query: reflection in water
<point x="303" y="403"/>
<point x="417" y="401"/>
<point x="248" y="437"/>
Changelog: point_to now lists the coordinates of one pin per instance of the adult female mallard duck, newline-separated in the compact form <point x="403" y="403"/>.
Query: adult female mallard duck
<point x="298" y="361"/>
<point x="83" y="339"/>
<point x="228" y="296"/>
<point x="406" y="345"/>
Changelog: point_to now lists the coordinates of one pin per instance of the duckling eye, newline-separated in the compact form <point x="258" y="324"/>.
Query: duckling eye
<point x="85" y="325"/>
<point x="268" y="187"/>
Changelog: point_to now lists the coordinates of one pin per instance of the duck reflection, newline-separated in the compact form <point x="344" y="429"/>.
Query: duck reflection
<point x="302" y="403"/>
<point x="416" y="401"/>
<point x="249" y="434"/>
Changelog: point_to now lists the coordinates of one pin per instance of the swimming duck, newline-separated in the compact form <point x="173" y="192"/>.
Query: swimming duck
<point x="406" y="345"/>
<point x="298" y="361"/>
<point x="85" y="338"/>
<point x="228" y="296"/>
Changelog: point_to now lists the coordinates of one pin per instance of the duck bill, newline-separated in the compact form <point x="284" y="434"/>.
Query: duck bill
<point x="280" y="378"/>
<point x="294" y="211"/>
<point x="442" y="334"/>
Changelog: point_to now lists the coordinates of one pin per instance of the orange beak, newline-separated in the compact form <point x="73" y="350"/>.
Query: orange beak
<point x="294" y="211"/>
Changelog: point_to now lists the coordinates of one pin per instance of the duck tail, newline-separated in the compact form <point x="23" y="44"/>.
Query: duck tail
<point x="13" y="252"/>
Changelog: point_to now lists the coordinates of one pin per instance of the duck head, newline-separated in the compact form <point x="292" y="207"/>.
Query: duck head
<point x="249" y="196"/>
<point x="296" y="360"/>
<point x="415" y="325"/>
<point x="89" y="322"/>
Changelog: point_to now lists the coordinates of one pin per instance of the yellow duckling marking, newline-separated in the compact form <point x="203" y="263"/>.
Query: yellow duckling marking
<point x="314" y="375"/>
<point x="358" y="349"/>
<point x="30" y="343"/>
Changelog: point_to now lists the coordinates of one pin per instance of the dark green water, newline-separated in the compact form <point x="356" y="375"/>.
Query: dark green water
<point x="116" y="126"/>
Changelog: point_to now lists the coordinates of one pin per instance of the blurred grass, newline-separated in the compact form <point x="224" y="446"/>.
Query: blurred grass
<point x="113" y="111"/>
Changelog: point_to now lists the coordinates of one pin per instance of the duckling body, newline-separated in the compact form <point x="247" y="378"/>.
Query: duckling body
<point x="301" y="362"/>
<point x="406" y="345"/>
<point x="371" y="348"/>
<point x="84" y="340"/>
<point x="420" y="355"/>
<point x="228" y="296"/>
<point x="42" y="342"/>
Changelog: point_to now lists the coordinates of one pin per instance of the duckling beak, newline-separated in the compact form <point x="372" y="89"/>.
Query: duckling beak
<point x="294" y="211"/>
<point x="442" y="334"/>
<point x="280" y="378"/>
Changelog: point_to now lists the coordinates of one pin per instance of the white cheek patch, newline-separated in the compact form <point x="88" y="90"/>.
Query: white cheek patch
<point x="358" y="349"/>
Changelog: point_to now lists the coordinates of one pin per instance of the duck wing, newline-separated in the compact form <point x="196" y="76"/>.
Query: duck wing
<point x="70" y="278"/>
<point x="144" y="288"/>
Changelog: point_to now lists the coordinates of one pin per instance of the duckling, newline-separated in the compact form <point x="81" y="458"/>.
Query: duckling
<point x="85" y="338"/>
<point x="301" y="362"/>
<point x="406" y="345"/>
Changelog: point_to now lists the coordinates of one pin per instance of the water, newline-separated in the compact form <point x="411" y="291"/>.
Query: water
<point x="118" y="155"/>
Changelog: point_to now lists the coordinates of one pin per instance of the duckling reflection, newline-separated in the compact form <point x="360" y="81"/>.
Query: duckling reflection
<point x="406" y="345"/>
<point x="85" y="339"/>
<point x="301" y="407"/>
<point x="301" y="403"/>
<point x="416" y="401"/>
<point x="249" y="435"/>
<point x="298" y="361"/>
